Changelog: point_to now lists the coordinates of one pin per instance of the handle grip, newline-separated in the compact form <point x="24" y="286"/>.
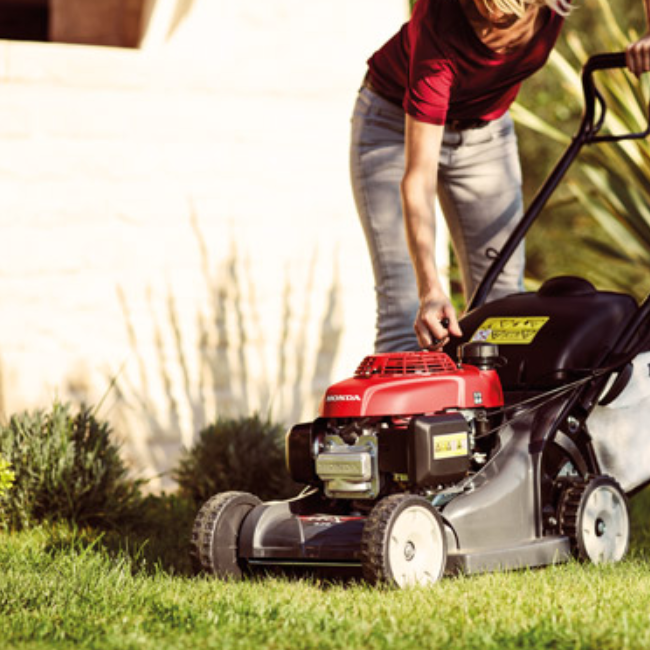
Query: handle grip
<point x="605" y="61"/>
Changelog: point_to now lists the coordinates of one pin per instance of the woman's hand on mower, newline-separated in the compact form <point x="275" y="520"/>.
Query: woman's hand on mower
<point x="429" y="327"/>
<point x="637" y="55"/>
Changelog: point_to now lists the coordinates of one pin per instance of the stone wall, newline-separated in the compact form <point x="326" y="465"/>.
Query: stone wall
<point x="178" y="233"/>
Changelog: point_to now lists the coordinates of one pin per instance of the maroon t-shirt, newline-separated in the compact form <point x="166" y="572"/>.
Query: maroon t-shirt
<point x="438" y="69"/>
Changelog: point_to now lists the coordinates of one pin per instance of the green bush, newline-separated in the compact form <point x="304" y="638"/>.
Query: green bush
<point x="66" y="467"/>
<point x="7" y="477"/>
<point x="237" y="454"/>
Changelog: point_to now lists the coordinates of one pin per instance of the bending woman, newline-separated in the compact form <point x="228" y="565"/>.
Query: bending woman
<point x="432" y="119"/>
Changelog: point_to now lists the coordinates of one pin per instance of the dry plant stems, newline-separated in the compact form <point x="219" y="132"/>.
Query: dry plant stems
<point x="219" y="369"/>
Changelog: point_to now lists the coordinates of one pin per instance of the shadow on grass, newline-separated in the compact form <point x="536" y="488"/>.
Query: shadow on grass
<point x="158" y="542"/>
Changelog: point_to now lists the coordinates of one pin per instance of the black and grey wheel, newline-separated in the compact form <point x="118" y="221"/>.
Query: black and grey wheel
<point x="594" y="514"/>
<point x="403" y="542"/>
<point x="215" y="534"/>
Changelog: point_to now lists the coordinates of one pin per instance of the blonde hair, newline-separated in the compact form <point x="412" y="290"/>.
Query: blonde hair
<point x="519" y="7"/>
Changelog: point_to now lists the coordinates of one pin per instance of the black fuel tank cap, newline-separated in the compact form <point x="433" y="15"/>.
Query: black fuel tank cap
<point x="484" y="356"/>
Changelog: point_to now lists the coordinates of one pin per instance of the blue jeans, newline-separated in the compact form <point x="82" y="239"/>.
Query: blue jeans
<point x="479" y="190"/>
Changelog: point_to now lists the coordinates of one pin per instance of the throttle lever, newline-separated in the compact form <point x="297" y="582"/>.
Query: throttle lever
<point x="436" y="342"/>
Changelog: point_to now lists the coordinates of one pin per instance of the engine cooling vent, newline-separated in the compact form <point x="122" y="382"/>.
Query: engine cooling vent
<point x="405" y="363"/>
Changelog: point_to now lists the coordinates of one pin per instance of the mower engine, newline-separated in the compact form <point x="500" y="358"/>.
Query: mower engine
<point x="404" y="422"/>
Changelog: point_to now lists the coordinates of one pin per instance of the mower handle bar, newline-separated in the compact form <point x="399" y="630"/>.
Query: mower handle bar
<point x="587" y="134"/>
<point x="592" y="95"/>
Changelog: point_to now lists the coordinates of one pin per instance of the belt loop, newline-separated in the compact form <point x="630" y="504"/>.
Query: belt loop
<point x="452" y="138"/>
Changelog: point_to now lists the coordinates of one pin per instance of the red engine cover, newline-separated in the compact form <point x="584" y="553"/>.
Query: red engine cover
<point x="411" y="383"/>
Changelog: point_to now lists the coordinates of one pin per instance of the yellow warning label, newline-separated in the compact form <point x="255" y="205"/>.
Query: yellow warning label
<point x="510" y="331"/>
<point x="450" y="445"/>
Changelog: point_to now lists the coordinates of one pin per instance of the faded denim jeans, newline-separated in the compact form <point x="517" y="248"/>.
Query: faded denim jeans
<point x="479" y="190"/>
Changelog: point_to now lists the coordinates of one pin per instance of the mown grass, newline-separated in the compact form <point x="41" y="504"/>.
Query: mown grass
<point x="62" y="588"/>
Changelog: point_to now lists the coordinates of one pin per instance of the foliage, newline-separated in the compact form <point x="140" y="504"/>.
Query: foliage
<point x="604" y="200"/>
<point x="7" y="477"/>
<point x="244" y="454"/>
<point x="66" y="467"/>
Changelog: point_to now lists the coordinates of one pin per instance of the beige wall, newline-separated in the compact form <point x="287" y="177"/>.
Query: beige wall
<point x="178" y="220"/>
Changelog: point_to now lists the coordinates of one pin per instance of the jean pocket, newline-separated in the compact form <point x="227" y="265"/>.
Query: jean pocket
<point x="375" y="131"/>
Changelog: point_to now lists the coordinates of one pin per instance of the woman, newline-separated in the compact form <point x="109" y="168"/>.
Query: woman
<point x="432" y="119"/>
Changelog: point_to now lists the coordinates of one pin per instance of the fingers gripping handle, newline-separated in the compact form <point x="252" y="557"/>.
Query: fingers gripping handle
<point x="436" y="342"/>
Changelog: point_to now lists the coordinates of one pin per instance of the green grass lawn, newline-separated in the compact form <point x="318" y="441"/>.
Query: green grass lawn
<point x="61" y="588"/>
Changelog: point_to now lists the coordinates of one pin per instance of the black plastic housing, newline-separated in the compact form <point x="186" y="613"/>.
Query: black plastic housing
<point x="298" y="453"/>
<point x="435" y="455"/>
<point x="582" y="328"/>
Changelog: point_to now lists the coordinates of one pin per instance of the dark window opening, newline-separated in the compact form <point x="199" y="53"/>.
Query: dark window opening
<point x="24" y="20"/>
<point x="115" y="23"/>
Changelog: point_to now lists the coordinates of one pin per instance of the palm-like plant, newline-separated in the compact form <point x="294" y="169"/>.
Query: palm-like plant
<point x="611" y="182"/>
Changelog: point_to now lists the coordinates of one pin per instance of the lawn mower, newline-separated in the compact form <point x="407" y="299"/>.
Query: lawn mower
<point x="516" y="446"/>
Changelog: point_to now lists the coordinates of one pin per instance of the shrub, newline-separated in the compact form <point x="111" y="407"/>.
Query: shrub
<point x="237" y="454"/>
<point x="7" y="476"/>
<point x="66" y="467"/>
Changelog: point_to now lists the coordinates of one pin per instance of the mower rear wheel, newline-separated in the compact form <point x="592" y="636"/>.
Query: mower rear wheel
<point x="215" y="534"/>
<point x="594" y="514"/>
<point x="403" y="542"/>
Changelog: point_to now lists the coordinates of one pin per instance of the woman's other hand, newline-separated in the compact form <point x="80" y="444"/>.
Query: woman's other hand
<point x="638" y="55"/>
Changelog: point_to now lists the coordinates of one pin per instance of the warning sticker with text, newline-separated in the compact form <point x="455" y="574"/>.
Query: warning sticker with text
<point x="510" y="331"/>
<point x="451" y="445"/>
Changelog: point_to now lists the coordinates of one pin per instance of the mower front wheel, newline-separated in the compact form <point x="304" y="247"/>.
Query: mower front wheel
<point x="403" y="542"/>
<point x="215" y="534"/>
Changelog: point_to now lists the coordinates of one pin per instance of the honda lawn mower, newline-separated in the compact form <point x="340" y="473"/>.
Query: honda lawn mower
<point x="517" y="446"/>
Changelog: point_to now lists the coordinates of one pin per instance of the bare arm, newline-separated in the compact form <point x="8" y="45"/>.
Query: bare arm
<point x="638" y="53"/>
<point x="418" y="200"/>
